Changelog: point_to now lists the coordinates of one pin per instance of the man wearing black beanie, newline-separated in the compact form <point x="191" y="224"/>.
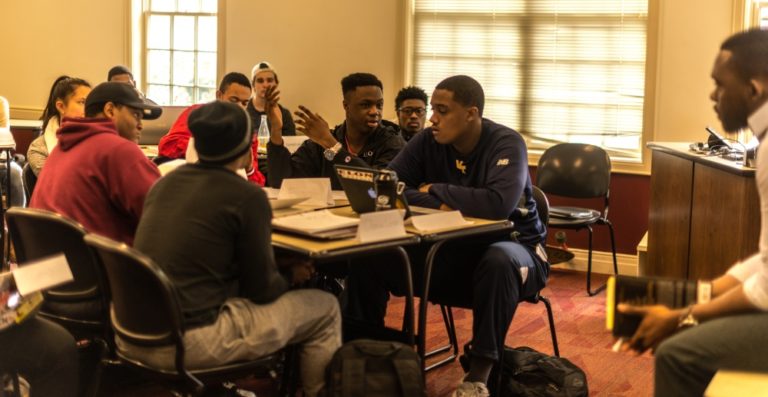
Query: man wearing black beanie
<point x="210" y="231"/>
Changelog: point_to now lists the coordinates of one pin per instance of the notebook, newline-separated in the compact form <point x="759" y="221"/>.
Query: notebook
<point x="321" y="224"/>
<point x="358" y="184"/>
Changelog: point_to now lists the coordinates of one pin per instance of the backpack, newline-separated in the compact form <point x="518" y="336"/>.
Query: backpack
<point x="529" y="373"/>
<point x="370" y="368"/>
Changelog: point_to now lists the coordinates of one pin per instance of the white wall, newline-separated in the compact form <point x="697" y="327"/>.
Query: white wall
<point x="689" y="38"/>
<point x="313" y="44"/>
<point x="43" y="39"/>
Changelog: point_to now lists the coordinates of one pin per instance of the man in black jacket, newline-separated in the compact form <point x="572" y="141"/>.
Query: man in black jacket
<point x="468" y="163"/>
<point x="363" y="140"/>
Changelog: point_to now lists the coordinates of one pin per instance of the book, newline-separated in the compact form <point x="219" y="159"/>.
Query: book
<point x="570" y="212"/>
<point x="674" y="293"/>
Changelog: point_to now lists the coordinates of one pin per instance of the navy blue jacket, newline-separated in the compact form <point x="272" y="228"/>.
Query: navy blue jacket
<point x="488" y="183"/>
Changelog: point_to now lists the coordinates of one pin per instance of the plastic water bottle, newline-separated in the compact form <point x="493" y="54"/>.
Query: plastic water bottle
<point x="263" y="133"/>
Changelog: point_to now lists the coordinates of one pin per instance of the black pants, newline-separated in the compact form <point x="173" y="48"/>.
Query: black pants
<point x="44" y="354"/>
<point x="484" y="277"/>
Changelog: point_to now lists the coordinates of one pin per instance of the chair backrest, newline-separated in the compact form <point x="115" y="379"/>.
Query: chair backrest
<point x="145" y="310"/>
<point x="542" y="205"/>
<point x="37" y="234"/>
<point x="30" y="179"/>
<point x="574" y="170"/>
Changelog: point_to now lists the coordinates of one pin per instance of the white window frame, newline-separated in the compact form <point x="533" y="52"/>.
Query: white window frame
<point x="138" y="14"/>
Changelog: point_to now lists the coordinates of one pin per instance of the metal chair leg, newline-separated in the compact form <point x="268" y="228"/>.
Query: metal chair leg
<point x="450" y="329"/>
<point x="613" y="248"/>
<point x="589" y="269"/>
<point x="552" y="331"/>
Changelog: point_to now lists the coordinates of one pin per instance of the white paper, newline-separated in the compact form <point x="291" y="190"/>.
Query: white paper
<point x="42" y="274"/>
<point x="314" y="221"/>
<point x="438" y="221"/>
<point x="380" y="225"/>
<point x="317" y="189"/>
<point x="191" y="153"/>
<point x="277" y="204"/>
<point x="339" y="195"/>
<point x="271" y="192"/>
<point x="293" y="142"/>
<point x="169" y="166"/>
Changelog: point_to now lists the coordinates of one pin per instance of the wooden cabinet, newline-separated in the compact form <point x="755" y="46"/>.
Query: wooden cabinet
<point x="704" y="213"/>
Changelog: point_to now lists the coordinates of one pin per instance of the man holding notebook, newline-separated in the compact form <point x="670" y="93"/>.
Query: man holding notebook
<point x="728" y="332"/>
<point x="468" y="163"/>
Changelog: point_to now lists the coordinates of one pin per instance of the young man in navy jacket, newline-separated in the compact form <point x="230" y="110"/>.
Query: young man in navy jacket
<point x="468" y="163"/>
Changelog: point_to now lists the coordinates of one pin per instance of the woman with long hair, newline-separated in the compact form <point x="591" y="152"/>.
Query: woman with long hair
<point x="66" y="99"/>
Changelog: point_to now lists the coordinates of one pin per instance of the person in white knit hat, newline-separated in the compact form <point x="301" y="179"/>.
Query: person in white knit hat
<point x="263" y="76"/>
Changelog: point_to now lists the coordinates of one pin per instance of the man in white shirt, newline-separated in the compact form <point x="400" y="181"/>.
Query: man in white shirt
<point x="729" y="331"/>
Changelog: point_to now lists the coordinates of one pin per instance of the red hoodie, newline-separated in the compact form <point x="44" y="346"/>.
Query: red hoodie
<point x="174" y="144"/>
<point x="96" y="177"/>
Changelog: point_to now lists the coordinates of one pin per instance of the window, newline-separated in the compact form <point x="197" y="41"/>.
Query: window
<point x="180" y="58"/>
<point x="554" y="70"/>
<point x="758" y="13"/>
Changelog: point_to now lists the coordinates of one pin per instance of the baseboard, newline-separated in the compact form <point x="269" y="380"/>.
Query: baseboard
<point x="602" y="262"/>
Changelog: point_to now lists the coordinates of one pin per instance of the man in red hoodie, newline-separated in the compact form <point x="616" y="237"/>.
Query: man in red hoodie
<point x="97" y="175"/>
<point x="234" y="88"/>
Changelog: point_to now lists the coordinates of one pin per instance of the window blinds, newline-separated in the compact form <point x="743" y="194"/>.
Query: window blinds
<point x="555" y="70"/>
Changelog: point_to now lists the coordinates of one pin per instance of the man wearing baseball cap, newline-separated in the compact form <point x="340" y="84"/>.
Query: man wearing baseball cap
<point x="263" y="77"/>
<point x="235" y="300"/>
<point x="97" y="175"/>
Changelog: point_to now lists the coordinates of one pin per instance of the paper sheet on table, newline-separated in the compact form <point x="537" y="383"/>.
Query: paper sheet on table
<point x="317" y="189"/>
<point x="439" y="221"/>
<point x="313" y="222"/>
<point x="380" y="225"/>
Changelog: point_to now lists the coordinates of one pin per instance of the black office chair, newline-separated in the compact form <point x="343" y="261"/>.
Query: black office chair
<point x="78" y="306"/>
<point x="542" y="207"/>
<point x="151" y="316"/>
<point x="580" y="171"/>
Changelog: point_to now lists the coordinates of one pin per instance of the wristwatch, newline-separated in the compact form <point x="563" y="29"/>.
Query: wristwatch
<point x="688" y="320"/>
<point x="330" y="153"/>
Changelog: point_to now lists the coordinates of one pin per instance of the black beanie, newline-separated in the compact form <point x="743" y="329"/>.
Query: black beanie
<point x="222" y="132"/>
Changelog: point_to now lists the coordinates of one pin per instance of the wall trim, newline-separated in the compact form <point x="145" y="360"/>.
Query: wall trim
<point x="602" y="262"/>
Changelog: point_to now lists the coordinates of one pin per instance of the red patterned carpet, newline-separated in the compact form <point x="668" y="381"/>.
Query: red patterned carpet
<point x="580" y="323"/>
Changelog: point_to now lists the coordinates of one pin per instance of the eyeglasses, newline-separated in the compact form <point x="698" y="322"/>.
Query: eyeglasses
<point x="409" y="111"/>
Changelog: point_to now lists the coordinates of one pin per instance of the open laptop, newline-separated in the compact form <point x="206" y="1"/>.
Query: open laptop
<point x="359" y="186"/>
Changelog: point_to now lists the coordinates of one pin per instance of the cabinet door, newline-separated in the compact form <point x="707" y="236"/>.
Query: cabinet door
<point x="725" y="221"/>
<point x="670" y="215"/>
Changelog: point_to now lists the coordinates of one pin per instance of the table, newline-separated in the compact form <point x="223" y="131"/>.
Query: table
<point x="437" y="239"/>
<point x="338" y="250"/>
<point x="704" y="213"/>
<point x="326" y="251"/>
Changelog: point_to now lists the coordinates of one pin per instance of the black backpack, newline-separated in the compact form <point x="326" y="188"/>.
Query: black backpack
<point x="370" y="368"/>
<point x="529" y="373"/>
